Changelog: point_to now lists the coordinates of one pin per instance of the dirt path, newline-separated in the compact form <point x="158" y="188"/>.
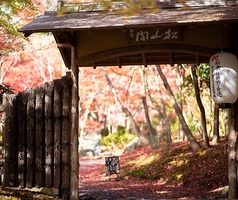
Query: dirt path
<point x="93" y="184"/>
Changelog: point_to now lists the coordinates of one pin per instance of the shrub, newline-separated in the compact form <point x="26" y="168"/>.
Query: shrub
<point x="118" y="139"/>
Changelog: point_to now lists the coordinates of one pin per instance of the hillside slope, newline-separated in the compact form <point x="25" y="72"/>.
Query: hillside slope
<point x="173" y="172"/>
<point x="179" y="165"/>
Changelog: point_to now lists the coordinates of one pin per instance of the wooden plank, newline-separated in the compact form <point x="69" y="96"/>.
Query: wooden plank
<point x="39" y="137"/>
<point x="66" y="101"/>
<point x="49" y="134"/>
<point x="57" y="132"/>
<point x="5" y="138"/>
<point x="10" y="141"/>
<point x="22" y="156"/>
<point x="30" y="110"/>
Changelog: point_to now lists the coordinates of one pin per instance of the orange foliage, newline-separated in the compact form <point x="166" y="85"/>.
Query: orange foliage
<point x="41" y="63"/>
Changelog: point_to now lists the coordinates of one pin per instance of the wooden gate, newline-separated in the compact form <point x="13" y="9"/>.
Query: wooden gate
<point x="36" y="137"/>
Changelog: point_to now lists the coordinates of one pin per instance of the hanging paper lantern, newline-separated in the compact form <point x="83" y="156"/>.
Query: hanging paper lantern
<point x="224" y="78"/>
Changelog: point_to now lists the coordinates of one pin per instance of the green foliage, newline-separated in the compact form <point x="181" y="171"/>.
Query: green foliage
<point x="187" y="86"/>
<point x="119" y="139"/>
<point x="203" y="72"/>
<point x="174" y="125"/>
<point x="11" y="8"/>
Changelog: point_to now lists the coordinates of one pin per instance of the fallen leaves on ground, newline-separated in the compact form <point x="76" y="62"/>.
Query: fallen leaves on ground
<point x="173" y="172"/>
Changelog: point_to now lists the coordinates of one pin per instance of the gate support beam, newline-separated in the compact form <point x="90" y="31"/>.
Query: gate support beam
<point x="74" y="165"/>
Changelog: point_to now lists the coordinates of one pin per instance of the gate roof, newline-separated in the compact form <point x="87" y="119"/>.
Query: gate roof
<point x="84" y="20"/>
<point x="90" y="19"/>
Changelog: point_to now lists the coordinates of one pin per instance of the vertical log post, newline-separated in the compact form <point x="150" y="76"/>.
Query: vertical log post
<point x="39" y="137"/>
<point x="49" y="134"/>
<point x="22" y="156"/>
<point x="10" y="141"/>
<point x="57" y="132"/>
<point x="232" y="151"/>
<point x="30" y="132"/>
<point x="74" y="167"/>
<point x="66" y="102"/>
<point x="5" y="139"/>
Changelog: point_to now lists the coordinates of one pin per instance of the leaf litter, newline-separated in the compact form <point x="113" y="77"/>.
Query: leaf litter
<point x="148" y="174"/>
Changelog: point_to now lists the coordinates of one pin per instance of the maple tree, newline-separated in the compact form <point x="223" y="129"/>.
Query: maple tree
<point x="12" y="13"/>
<point x="99" y="108"/>
<point x="40" y="62"/>
<point x="200" y="105"/>
<point x="161" y="108"/>
<point x="26" y="63"/>
<point x="194" y="144"/>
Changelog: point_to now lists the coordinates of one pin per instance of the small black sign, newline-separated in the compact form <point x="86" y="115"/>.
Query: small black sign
<point x="112" y="165"/>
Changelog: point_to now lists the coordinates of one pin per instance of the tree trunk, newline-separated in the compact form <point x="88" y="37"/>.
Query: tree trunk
<point x="194" y="144"/>
<point x="216" y="136"/>
<point x="200" y="105"/>
<point x="123" y="108"/>
<point x="164" y="118"/>
<point x="152" y="133"/>
<point x="179" y="81"/>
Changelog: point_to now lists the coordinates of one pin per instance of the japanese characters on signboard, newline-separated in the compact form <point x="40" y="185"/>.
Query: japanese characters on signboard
<point x="153" y="35"/>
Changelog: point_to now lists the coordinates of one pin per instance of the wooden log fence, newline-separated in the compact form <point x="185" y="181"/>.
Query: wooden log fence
<point x="36" y="137"/>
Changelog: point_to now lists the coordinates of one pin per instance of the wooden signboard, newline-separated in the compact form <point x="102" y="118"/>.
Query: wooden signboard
<point x="112" y="165"/>
<point x="154" y="35"/>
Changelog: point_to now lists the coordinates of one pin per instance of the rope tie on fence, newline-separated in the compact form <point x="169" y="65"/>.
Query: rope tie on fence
<point x="21" y="147"/>
<point x="50" y="145"/>
<point x="51" y="166"/>
<point x="49" y="118"/>
<point x="65" y="144"/>
<point x="56" y="166"/>
<point x="39" y="167"/>
<point x="57" y="146"/>
<point x="65" y="117"/>
<point x="64" y="165"/>
<point x="40" y="145"/>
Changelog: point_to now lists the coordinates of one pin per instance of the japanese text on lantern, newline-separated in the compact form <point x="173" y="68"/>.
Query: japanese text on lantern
<point x="216" y="77"/>
<point x="154" y="35"/>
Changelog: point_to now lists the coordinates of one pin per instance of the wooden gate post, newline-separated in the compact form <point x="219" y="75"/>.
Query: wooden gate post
<point x="232" y="151"/>
<point x="74" y="167"/>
